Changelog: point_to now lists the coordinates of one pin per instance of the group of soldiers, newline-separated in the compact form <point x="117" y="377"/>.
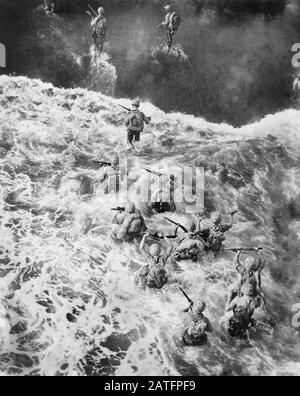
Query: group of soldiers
<point x="171" y="23"/>
<point x="190" y="242"/>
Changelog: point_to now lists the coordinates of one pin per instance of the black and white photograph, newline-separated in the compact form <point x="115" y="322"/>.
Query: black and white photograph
<point x="149" y="191"/>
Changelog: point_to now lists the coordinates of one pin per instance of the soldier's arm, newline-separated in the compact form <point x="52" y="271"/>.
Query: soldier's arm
<point x="94" y="21"/>
<point x="236" y="261"/>
<point x="209" y="327"/>
<point x="142" y="244"/>
<point x="232" y="306"/>
<point x="170" y="249"/>
<point x="146" y="119"/>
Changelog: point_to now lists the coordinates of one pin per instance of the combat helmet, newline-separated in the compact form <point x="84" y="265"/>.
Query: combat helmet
<point x="155" y="250"/>
<point x="216" y="218"/>
<point x="251" y="264"/>
<point x="136" y="103"/>
<point x="131" y="208"/>
<point x="199" y="307"/>
<point x="101" y="11"/>
<point x="248" y="289"/>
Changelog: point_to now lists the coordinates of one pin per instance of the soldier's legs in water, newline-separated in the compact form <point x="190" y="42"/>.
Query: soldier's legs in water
<point x="137" y="139"/>
<point x="130" y="136"/>
<point x="170" y="36"/>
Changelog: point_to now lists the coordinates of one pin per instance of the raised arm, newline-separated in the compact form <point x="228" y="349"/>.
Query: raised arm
<point x="230" y="225"/>
<point x="169" y="250"/>
<point x="95" y="20"/>
<point x="142" y="244"/>
<point x="238" y="265"/>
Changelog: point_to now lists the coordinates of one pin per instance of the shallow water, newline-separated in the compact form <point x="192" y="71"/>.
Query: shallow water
<point x="68" y="289"/>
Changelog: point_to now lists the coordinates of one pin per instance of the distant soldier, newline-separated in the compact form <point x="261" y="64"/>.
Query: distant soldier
<point x="171" y="23"/>
<point x="153" y="275"/>
<point x="49" y="7"/>
<point x="129" y="226"/>
<point x="213" y="231"/>
<point x="99" y="25"/>
<point x="247" y="271"/>
<point x="135" y="124"/>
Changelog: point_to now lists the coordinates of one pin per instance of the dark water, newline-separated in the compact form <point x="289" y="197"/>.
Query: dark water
<point x="239" y="56"/>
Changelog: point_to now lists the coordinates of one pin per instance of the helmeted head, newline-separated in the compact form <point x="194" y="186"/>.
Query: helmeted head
<point x="248" y="290"/>
<point x="192" y="226"/>
<point x="168" y="8"/>
<point x="216" y="218"/>
<point x="136" y="103"/>
<point x="115" y="160"/>
<point x="101" y="11"/>
<point x="250" y="263"/>
<point x="130" y="208"/>
<point x="155" y="250"/>
<point x="199" y="307"/>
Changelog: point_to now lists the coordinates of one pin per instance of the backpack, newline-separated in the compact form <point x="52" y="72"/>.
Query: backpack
<point x="175" y="22"/>
<point x="137" y="122"/>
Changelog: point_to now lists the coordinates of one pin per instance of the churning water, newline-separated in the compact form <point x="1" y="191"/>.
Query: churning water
<point x="68" y="301"/>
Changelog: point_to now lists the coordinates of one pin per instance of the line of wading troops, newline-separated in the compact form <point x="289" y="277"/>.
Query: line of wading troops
<point x="171" y="23"/>
<point x="190" y="242"/>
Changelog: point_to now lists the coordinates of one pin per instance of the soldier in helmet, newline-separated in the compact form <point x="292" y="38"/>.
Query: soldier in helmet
<point x="240" y="312"/>
<point x="190" y="245"/>
<point x="248" y="270"/>
<point x="153" y="275"/>
<point x="196" y="325"/>
<point x="171" y="24"/>
<point x="135" y="123"/>
<point x="130" y="225"/>
<point x="111" y="176"/>
<point x="213" y="231"/>
<point x="99" y="25"/>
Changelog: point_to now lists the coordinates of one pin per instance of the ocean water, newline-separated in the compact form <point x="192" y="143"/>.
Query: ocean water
<point x="68" y="305"/>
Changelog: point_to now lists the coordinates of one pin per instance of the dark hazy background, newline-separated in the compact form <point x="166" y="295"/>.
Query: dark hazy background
<point x="239" y="52"/>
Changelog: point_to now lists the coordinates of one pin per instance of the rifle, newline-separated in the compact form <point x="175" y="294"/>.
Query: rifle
<point x="102" y="163"/>
<point x="125" y="108"/>
<point x="92" y="9"/>
<point x="129" y="110"/>
<point x="243" y="249"/>
<point x="177" y="224"/>
<point x="118" y="209"/>
<point x="154" y="172"/>
<point x="187" y="297"/>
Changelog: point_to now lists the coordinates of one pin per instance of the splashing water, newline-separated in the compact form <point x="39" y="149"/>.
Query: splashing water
<point x="68" y="301"/>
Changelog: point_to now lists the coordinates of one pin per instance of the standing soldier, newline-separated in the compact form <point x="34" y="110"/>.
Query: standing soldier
<point x="135" y="124"/>
<point x="171" y="23"/>
<point x="99" y="25"/>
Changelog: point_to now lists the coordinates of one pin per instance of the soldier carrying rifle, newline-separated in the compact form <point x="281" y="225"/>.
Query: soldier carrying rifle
<point x="99" y="26"/>
<point x="196" y="324"/>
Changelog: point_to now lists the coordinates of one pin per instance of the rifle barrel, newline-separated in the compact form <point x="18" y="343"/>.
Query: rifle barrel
<point x="186" y="296"/>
